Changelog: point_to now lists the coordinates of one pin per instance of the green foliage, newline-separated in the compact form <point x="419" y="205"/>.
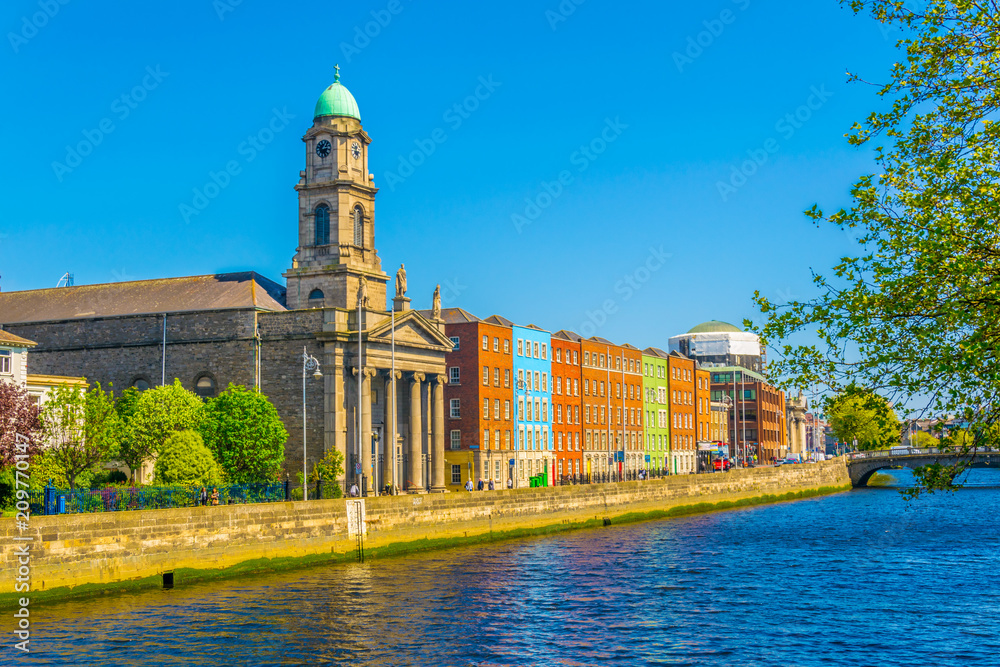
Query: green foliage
<point x="330" y="468"/>
<point x="184" y="460"/>
<point x="243" y="430"/>
<point x="154" y="417"/>
<point x="911" y="313"/>
<point x="81" y="428"/>
<point x="920" y="439"/>
<point x="860" y="415"/>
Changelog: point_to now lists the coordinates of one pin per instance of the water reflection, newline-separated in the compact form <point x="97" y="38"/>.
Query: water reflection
<point x="856" y="578"/>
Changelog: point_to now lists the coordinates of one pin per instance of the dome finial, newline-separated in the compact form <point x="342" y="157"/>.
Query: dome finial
<point x="336" y="76"/>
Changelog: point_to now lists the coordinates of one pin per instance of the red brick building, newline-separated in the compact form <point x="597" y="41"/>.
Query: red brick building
<point x="683" y="413"/>
<point x="567" y="418"/>
<point x="478" y="398"/>
<point x="757" y="427"/>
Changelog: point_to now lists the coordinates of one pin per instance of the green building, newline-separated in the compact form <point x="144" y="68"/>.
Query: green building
<point x="656" y="409"/>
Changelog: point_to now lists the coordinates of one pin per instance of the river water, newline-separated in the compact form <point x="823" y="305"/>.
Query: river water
<point x="858" y="578"/>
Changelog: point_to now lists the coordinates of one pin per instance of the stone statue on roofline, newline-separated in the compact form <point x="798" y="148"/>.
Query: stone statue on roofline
<point x="436" y="304"/>
<point x="363" y="292"/>
<point x="401" y="281"/>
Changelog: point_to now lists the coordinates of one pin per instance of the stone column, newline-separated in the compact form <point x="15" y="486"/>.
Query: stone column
<point x="437" y="438"/>
<point x="414" y="442"/>
<point x="391" y="429"/>
<point x="365" y="407"/>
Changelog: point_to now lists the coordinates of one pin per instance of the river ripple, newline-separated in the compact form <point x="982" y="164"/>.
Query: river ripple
<point x="858" y="578"/>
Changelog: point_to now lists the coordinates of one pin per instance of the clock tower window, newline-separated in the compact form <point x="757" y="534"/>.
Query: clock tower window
<point x="322" y="217"/>
<point x="359" y="227"/>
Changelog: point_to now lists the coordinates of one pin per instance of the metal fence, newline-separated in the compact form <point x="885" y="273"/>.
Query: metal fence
<point x="51" y="500"/>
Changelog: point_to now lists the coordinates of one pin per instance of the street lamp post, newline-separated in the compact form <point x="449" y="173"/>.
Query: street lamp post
<point x="309" y="363"/>
<point x="728" y="402"/>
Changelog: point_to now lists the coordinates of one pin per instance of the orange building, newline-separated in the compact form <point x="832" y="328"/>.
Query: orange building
<point x="683" y="413"/>
<point x="632" y="409"/>
<point x="597" y="408"/>
<point x="567" y="420"/>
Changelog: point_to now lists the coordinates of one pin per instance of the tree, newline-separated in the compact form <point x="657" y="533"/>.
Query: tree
<point x="912" y="313"/>
<point x="329" y="469"/>
<point x="81" y="428"/>
<point x="921" y="439"/>
<point x="20" y="425"/>
<point x="243" y="430"/>
<point x="184" y="459"/>
<point x="156" y="415"/>
<point x="859" y="415"/>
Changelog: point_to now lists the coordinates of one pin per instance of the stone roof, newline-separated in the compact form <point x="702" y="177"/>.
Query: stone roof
<point x="7" y="338"/>
<point x="224" y="291"/>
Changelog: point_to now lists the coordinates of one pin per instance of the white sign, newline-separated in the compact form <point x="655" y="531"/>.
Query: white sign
<point x="356" y="517"/>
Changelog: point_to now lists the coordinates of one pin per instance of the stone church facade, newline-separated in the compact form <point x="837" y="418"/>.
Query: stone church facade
<point x="242" y="328"/>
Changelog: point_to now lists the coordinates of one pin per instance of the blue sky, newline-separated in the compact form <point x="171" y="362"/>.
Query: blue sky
<point x="642" y="109"/>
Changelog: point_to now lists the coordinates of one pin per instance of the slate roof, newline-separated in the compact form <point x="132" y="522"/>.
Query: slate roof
<point x="223" y="291"/>
<point x="565" y="334"/>
<point x="655" y="352"/>
<point x="451" y="315"/>
<point x="499" y="320"/>
<point x="7" y="338"/>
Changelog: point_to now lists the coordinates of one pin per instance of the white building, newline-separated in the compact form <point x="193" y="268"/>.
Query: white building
<point x="717" y="343"/>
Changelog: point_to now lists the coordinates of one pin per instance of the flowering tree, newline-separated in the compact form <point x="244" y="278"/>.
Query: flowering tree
<point x="20" y="425"/>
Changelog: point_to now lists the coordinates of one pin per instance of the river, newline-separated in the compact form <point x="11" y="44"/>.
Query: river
<point x="858" y="578"/>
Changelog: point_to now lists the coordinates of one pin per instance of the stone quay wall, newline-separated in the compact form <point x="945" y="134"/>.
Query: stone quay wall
<point x="126" y="549"/>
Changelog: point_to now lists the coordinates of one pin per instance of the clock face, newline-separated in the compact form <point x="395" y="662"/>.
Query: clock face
<point x="356" y="150"/>
<point x="323" y="148"/>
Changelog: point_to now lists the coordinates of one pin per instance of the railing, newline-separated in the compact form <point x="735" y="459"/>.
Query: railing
<point x="915" y="451"/>
<point x="119" y="499"/>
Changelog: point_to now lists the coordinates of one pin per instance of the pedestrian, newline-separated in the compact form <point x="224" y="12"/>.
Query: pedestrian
<point x="354" y="490"/>
<point x="510" y="483"/>
<point x="492" y="487"/>
<point x="468" y="485"/>
<point x="215" y="496"/>
<point x="481" y="485"/>
<point x="203" y="496"/>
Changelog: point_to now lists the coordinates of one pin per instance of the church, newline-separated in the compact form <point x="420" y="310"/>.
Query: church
<point x="377" y="395"/>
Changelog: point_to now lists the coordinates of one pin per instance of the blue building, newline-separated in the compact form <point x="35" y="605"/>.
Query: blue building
<point x="534" y="453"/>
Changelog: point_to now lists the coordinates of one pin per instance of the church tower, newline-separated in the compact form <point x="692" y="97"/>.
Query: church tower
<point x="336" y="212"/>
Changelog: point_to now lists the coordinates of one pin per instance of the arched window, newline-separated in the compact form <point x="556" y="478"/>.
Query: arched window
<point x="204" y="386"/>
<point x="140" y="383"/>
<point x="322" y="217"/>
<point x="316" y="294"/>
<point x="359" y="227"/>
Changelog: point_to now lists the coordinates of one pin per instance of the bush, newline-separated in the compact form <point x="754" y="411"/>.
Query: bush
<point x="330" y="468"/>
<point x="185" y="460"/>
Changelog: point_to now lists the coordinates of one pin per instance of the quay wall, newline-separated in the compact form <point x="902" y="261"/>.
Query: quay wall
<point x="72" y="555"/>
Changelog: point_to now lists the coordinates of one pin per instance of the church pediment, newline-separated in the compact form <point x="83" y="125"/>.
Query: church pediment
<point x="410" y="329"/>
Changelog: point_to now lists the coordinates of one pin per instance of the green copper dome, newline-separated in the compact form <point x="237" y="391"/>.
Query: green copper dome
<point x="337" y="101"/>
<point x="715" y="326"/>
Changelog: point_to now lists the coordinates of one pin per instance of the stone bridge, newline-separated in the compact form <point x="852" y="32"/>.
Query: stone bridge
<point x="861" y="465"/>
